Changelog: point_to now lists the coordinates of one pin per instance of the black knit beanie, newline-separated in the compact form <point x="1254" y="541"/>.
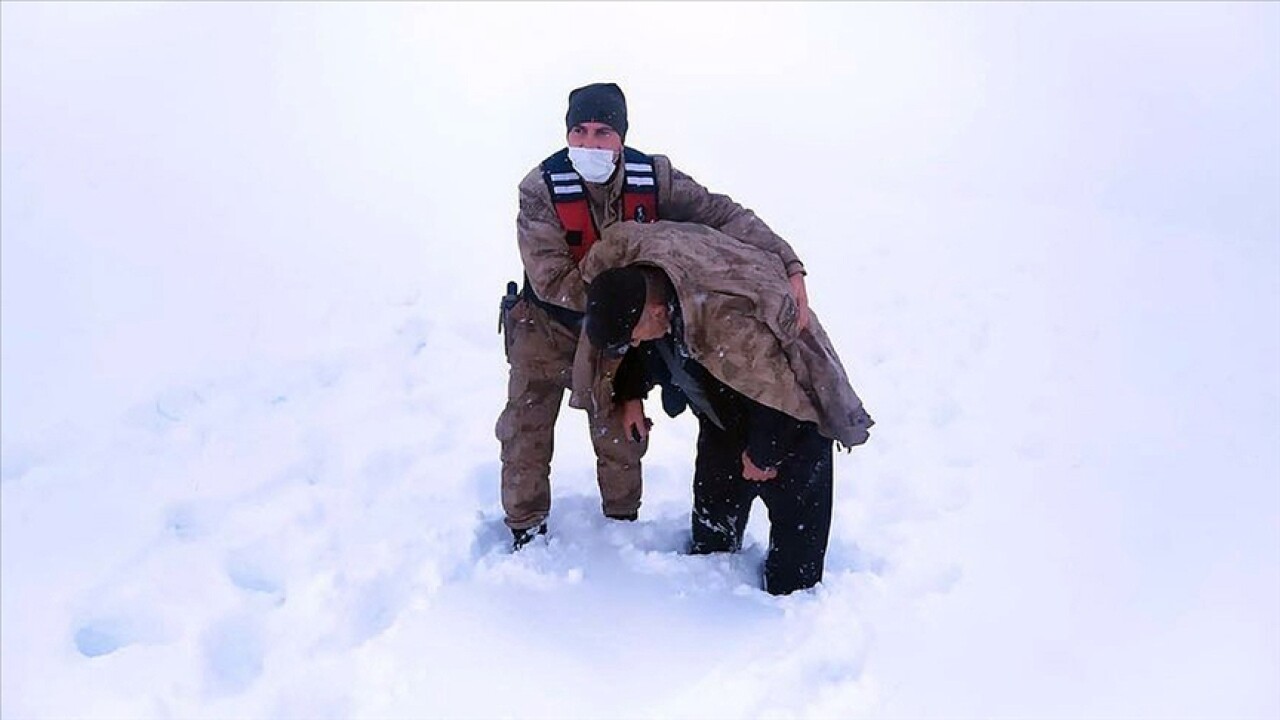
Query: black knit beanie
<point x="599" y="102"/>
<point x="615" y="300"/>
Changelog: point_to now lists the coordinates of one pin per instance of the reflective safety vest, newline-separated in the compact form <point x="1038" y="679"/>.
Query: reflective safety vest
<point x="569" y="196"/>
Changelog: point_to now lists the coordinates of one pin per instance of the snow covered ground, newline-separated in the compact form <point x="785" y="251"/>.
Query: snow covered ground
<point x="250" y="267"/>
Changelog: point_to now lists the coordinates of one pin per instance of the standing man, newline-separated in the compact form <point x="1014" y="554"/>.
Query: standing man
<point x="709" y="320"/>
<point x="565" y="204"/>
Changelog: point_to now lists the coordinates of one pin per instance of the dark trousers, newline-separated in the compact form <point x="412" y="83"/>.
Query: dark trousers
<point x="798" y="501"/>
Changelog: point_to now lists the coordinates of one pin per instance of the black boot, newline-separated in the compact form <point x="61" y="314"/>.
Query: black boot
<point x="525" y="536"/>
<point x="625" y="517"/>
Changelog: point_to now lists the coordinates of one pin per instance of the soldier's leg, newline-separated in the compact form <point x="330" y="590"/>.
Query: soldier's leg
<point x="526" y="427"/>
<point x="617" y="466"/>
<point x="721" y="497"/>
<point x="799" y="503"/>
<point x="526" y="430"/>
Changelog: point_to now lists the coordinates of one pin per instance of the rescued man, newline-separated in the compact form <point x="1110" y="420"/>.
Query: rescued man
<point x="565" y="203"/>
<point x="710" y="321"/>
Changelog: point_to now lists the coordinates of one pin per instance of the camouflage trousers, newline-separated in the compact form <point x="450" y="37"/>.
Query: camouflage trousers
<point x="540" y="352"/>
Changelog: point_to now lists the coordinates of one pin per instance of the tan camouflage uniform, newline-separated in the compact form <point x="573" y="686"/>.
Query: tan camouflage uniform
<point x="541" y="351"/>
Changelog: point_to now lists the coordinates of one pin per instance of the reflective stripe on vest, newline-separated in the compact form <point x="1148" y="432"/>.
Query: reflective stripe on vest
<point x="569" y="195"/>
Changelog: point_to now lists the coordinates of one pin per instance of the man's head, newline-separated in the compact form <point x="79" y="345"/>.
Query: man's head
<point x="597" y="117"/>
<point x="627" y="306"/>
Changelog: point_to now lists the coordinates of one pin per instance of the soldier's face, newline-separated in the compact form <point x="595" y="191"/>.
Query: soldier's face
<point x="596" y="136"/>
<point x="655" y="322"/>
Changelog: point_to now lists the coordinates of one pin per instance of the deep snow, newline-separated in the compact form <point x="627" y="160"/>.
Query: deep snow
<point x="250" y="371"/>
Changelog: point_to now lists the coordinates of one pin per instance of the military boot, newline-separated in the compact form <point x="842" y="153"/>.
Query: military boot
<point x="523" y="537"/>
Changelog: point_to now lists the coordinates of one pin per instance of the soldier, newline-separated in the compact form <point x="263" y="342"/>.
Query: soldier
<point x="710" y="320"/>
<point x="565" y="203"/>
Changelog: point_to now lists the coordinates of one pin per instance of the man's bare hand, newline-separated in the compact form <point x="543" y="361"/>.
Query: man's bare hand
<point x="801" y="296"/>
<point x="755" y="474"/>
<point x="634" y="423"/>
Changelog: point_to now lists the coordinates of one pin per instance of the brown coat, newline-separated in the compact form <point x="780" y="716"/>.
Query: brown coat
<point x="740" y="324"/>
<point x="550" y="266"/>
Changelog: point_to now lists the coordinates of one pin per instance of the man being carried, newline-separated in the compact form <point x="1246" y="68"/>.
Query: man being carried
<point x="711" y="321"/>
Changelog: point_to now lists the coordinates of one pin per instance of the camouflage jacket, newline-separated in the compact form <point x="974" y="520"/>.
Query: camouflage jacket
<point x="740" y="324"/>
<point x="555" y="275"/>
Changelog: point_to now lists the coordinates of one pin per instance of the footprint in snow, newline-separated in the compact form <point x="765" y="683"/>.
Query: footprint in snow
<point x="102" y="635"/>
<point x="256" y="571"/>
<point x="232" y="650"/>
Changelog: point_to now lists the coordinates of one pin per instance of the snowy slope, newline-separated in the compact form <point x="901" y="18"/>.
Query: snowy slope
<point x="250" y="374"/>
<point x="325" y="538"/>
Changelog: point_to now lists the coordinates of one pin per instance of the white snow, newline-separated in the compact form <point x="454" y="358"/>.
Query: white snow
<point x="251" y="261"/>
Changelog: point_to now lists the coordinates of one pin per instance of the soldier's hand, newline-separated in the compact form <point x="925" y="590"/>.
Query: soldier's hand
<point x="634" y="424"/>
<point x="801" y="296"/>
<point x="755" y="474"/>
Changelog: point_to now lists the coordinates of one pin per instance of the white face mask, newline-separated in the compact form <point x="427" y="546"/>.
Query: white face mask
<point x="595" y="166"/>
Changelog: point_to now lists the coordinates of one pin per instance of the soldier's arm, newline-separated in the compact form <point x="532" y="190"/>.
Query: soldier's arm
<point x="550" y="266"/>
<point x="684" y="200"/>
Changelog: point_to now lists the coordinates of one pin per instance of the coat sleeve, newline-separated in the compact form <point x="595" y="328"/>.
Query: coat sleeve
<point x="547" y="261"/>
<point x="631" y="382"/>
<point x="682" y="199"/>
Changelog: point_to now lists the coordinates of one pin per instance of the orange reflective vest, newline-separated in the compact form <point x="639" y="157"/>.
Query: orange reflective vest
<point x="569" y="196"/>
